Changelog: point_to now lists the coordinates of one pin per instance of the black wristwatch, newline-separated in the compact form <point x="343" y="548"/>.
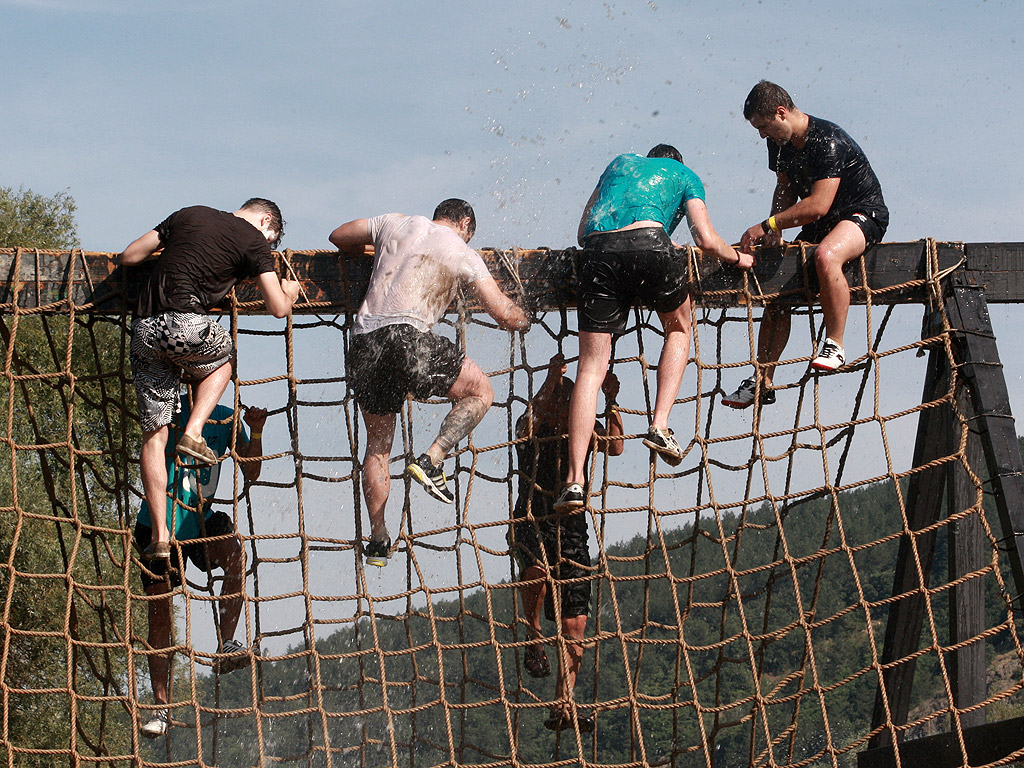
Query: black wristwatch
<point x="765" y="228"/>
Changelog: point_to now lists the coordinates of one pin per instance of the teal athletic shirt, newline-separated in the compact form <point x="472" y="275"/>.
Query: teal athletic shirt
<point x="636" y="188"/>
<point x="183" y="486"/>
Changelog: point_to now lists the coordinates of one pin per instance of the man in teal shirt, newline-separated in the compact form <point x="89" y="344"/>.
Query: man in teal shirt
<point x="628" y="255"/>
<point x="190" y="489"/>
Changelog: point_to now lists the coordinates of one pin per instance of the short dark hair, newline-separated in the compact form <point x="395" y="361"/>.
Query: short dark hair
<point x="666" y="150"/>
<point x="764" y="98"/>
<point x="262" y="205"/>
<point x="455" y="210"/>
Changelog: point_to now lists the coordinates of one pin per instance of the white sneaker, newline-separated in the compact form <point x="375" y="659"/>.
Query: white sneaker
<point x="830" y="356"/>
<point x="158" y="725"/>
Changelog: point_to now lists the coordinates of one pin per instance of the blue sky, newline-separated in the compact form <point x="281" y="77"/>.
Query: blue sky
<point x="339" y="110"/>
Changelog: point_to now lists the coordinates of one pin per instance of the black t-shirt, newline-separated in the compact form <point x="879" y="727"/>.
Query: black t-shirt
<point x="831" y="153"/>
<point x="205" y="252"/>
<point x="549" y="458"/>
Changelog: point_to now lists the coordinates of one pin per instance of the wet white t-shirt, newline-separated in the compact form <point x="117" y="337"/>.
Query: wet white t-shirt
<point x="416" y="272"/>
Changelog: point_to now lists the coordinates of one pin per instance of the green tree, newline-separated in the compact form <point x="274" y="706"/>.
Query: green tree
<point x="31" y="220"/>
<point x="61" y="550"/>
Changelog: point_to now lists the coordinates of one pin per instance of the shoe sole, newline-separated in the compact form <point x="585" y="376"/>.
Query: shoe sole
<point x="230" y="665"/>
<point x="672" y="459"/>
<point x="380" y="562"/>
<point x="571" y="504"/>
<point x="197" y="455"/>
<point x="150" y="556"/>
<point x="737" y="404"/>
<point x="826" y="368"/>
<point x="153" y="734"/>
<point x="420" y="477"/>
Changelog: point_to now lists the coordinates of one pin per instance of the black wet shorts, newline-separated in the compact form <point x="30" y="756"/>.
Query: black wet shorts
<point x="387" y="365"/>
<point x="616" y="268"/>
<point x="816" y="231"/>
<point x="156" y="571"/>
<point x="561" y="539"/>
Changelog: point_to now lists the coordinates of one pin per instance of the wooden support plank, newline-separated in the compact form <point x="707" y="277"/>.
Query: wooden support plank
<point x="982" y="373"/>
<point x="967" y="548"/>
<point x="985" y="744"/>
<point x="924" y="505"/>
<point x="335" y="282"/>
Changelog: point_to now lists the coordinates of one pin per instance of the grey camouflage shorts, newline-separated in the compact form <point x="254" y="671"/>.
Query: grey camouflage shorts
<point x="167" y="348"/>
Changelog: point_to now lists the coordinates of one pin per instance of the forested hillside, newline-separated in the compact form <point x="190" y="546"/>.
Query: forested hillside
<point x="639" y="612"/>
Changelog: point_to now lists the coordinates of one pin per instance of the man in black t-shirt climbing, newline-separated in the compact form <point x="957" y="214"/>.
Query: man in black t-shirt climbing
<point x="552" y="548"/>
<point x="826" y="185"/>
<point x="199" y="253"/>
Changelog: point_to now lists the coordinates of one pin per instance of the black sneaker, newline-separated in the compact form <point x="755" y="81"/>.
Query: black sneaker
<point x="661" y="442"/>
<point x="430" y="477"/>
<point x="234" y="656"/>
<point x="743" y="397"/>
<point x="572" y="497"/>
<point x="377" y="552"/>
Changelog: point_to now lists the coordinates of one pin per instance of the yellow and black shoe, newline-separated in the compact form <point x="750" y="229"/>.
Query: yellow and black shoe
<point x="430" y="477"/>
<point x="377" y="552"/>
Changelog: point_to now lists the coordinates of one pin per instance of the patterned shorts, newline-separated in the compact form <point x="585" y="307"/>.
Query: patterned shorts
<point x="167" y="348"/>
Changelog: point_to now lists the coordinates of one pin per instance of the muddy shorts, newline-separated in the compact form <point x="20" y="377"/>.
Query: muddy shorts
<point x="157" y="571"/>
<point x="167" y="348"/>
<point x="562" y="540"/>
<point x="616" y="268"/>
<point x="389" y="364"/>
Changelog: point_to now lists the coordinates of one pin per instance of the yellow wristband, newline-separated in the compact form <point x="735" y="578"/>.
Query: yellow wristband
<point x="256" y="436"/>
<point x="773" y="225"/>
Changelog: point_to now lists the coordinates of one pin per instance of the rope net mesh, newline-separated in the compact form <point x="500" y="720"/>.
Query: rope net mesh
<point x="739" y="599"/>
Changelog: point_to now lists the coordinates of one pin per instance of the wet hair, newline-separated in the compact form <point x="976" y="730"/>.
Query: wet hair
<point x="565" y="388"/>
<point x="455" y="210"/>
<point x="262" y="205"/>
<point x="764" y="98"/>
<point x="666" y="150"/>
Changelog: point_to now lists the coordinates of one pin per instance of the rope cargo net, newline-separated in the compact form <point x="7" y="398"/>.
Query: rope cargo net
<point x="732" y="621"/>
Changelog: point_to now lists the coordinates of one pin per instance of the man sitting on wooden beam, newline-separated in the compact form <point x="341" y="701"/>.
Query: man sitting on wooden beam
<point x="825" y="184"/>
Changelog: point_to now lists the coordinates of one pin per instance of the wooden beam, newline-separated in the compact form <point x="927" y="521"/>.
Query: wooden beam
<point x="985" y="744"/>
<point x="924" y="504"/>
<point x="334" y="283"/>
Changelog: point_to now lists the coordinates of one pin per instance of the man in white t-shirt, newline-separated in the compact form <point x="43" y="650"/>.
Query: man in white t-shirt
<point x="418" y="267"/>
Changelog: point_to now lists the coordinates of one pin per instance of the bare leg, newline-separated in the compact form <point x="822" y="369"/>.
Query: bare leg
<point x="380" y="435"/>
<point x="533" y="598"/>
<point x="672" y="363"/>
<point x="772" y="337"/>
<point x="227" y="554"/>
<point x="205" y="396"/>
<point x="844" y="243"/>
<point x="473" y="395"/>
<point x="570" y="656"/>
<point x="153" y="464"/>
<point x="595" y="352"/>
<point x="159" y="638"/>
